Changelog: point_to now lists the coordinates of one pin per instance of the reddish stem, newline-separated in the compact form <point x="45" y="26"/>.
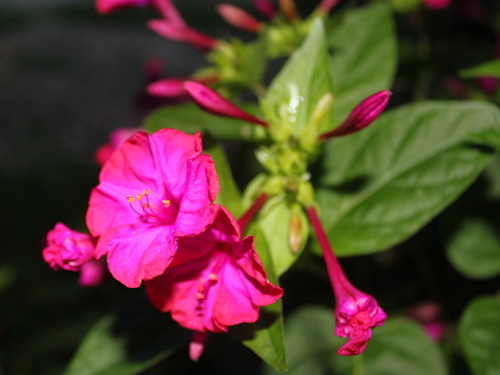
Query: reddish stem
<point x="247" y="217"/>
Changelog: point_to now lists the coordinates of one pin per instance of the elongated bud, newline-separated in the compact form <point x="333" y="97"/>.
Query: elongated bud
<point x="289" y="10"/>
<point x="169" y="11"/>
<point x="296" y="234"/>
<point x="167" y="88"/>
<point x="324" y="105"/>
<point x="212" y="102"/>
<point x="265" y="8"/>
<point x="182" y="33"/>
<point x="327" y="5"/>
<point x="239" y="18"/>
<point x="363" y="115"/>
<point x="107" y="6"/>
<point x="197" y="345"/>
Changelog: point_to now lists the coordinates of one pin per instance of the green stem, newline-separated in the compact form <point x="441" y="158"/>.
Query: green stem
<point x="358" y="365"/>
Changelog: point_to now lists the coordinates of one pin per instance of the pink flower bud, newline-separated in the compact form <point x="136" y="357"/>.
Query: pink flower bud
<point x="327" y="5"/>
<point x="68" y="249"/>
<point x="167" y="88"/>
<point x="197" y="345"/>
<point x="92" y="273"/>
<point x="362" y="115"/>
<point x="214" y="103"/>
<point x="116" y="139"/>
<point x="265" y="7"/>
<point x="437" y="4"/>
<point x="108" y="6"/>
<point x="289" y="10"/>
<point x="239" y="18"/>
<point x="182" y="33"/>
<point x="356" y="312"/>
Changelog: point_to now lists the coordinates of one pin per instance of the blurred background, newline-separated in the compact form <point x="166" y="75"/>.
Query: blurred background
<point x="68" y="77"/>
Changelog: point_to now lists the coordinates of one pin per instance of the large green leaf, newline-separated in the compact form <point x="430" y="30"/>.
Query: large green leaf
<point x="479" y="334"/>
<point x="114" y="348"/>
<point x="229" y="195"/>
<point x="266" y="337"/>
<point x="190" y="119"/>
<point x="487" y="69"/>
<point x="364" y="56"/>
<point x="389" y="180"/>
<point x="398" y="347"/>
<point x="304" y="80"/>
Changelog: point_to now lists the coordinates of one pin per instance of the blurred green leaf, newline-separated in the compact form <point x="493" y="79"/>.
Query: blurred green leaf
<point x="111" y="348"/>
<point x="479" y="334"/>
<point x="400" y="346"/>
<point x="190" y="119"/>
<point x="266" y="337"/>
<point x="300" y="85"/>
<point x="487" y="69"/>
<point x="229" y="195"/>
<point x="364" y="57"/>
<point x="474" y="249"/>
<point x="389" y="180"/>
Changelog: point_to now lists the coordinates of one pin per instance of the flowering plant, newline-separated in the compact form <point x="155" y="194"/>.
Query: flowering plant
<point x="218" y="247"/>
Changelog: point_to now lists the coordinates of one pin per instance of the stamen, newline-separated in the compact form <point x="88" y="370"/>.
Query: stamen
<point x="199" y="296"/>
<point x="146" y="192"/>
<point x="130" y="199"/>
<point x="138" y="197"/>
<point x="166" y="203"/>
<point x="213" y="277"/>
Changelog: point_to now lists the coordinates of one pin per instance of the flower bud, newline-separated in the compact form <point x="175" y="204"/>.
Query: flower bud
<point x="289" y="10"/>
<point x="167" y="88"/>
<point x="182" y="33"/>
<point x="214" y="103"/>
<point x="326" y="6"/>
<point x="239" y="18"/>
<point x="265" y="8"/>
<point x="107" y="6"/>
<point x="362" y="115"/>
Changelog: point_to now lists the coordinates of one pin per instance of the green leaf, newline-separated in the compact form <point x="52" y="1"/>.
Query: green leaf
<point x="474" y="249"/>
<point x="301" y="84"/>
<point x="479" y="334"/>
<point x="487" y="69"/>
<point x="114" y="348"/>
<point x="400" y="346"/>
<point x="229" y="195"/>
<point x="364" y="56"/>
<point x="389" y="180"/>
<point x="190" y="119"/>
<point x="266" y="337"/>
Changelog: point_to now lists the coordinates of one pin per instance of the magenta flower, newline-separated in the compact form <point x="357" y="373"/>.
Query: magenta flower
<point x="362" y="115"/>
<point x="356" y="312"/>
<point x="215" y="280"/>
<point x="214" y="103"/>
<point x="116" y="139"/>
<point x="239" y="18"/>
<point x="152" y="191"/>
<point x="73" y="251"/>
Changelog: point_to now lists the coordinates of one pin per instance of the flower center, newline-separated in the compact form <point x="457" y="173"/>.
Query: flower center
<point x="148" y="211"/>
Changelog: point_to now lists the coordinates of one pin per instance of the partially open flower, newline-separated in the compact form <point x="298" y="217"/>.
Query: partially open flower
<point x="73" y="251"/>
<point x="356" y="312"/>
<point x="182" y="33"/>
<point x="214" y="281"/>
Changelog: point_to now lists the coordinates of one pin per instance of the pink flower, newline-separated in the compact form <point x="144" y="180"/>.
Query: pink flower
<point x="153" y="190"/>
<point x="73" y="251"/>
<point x="428" y="314"/>
<point x="238" y="17"/>
<point x="215" y="280"/>
<point x="437" y="4"/>
<point x="356" y="312"/>
<point x="214" y="103"/>
<point x="116" y="139"/>
<point x="362" y="115"/>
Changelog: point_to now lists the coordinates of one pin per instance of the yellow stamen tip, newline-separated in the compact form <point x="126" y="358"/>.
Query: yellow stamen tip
<point x="166" y="202"/>
<point x="146" y="192"/>
<point x="130" y="199"/>
<point x="139" y="197"/>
